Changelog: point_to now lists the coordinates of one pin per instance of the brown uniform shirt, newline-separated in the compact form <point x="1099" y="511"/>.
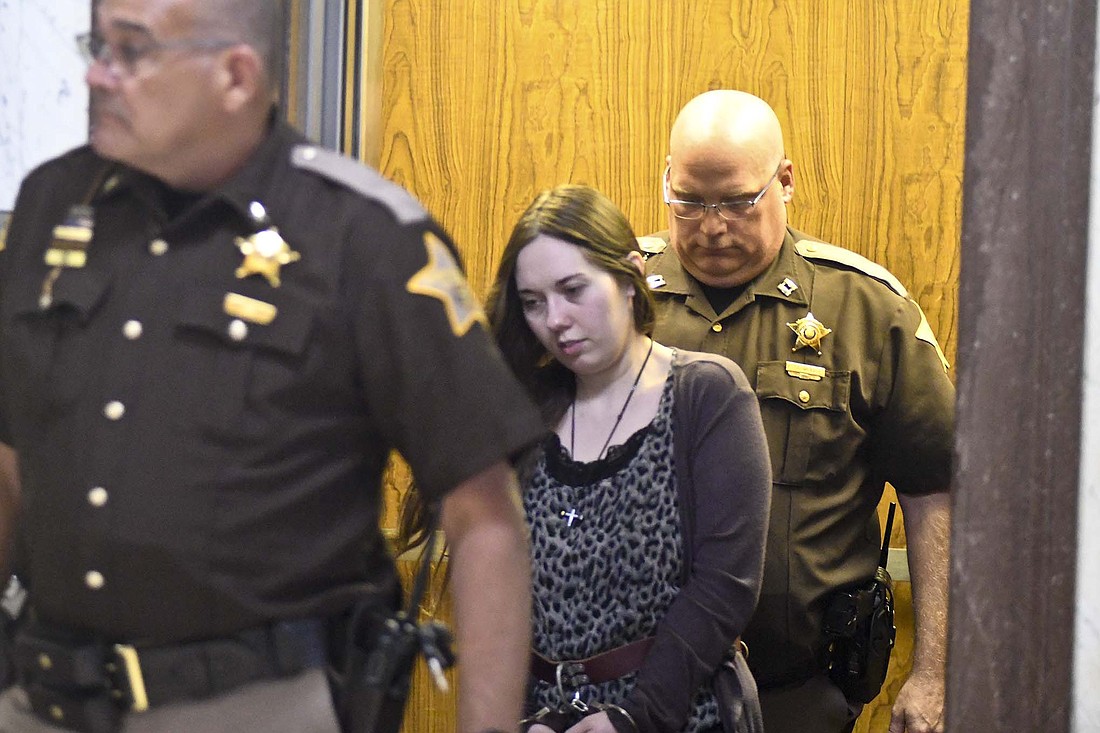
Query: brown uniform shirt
<point x="202" y="431"/>
<point x="875" y="405"/>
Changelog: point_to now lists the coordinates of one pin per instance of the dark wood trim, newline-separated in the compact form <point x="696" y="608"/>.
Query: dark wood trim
<point x="1021" y="330"/>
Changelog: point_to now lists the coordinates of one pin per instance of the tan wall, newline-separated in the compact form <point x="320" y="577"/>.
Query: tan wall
<point x="485" y="102"/>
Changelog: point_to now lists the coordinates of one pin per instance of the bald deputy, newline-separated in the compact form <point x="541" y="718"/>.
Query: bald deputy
<point x="853" y="389"/>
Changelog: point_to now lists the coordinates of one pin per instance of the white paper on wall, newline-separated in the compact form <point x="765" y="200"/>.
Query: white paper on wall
<point x="43" y="100"/>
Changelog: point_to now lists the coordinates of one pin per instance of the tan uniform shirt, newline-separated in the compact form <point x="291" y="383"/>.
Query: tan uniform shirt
<point x="874" y="405"/>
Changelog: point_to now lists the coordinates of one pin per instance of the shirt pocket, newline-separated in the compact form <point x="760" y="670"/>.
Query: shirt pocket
<point x="51" y="346"/>
<point x="811" y="434"/>
<point x="239" y="373"/>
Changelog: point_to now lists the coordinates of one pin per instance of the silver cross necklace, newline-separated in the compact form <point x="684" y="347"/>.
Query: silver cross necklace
<point x="572" y="515"/>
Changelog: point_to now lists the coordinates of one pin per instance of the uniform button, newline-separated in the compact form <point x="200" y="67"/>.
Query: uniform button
<point x="803" y="396"/>
<point x="94" y="579"/>
<point x="97" y="496"/>
<point x="158" y="247"/>
<point x="717" y="328"/>
<point x="44" y="662"/>
<point x="238" y="330"/>
<point x="132" y="330"/>
<point x="114" y="410"/>
<point x="57" y="713"/>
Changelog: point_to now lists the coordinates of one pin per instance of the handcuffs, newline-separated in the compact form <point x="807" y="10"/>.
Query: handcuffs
<point x="570" y="676"/>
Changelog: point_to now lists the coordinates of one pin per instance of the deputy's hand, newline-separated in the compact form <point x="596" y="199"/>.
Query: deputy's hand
<point x="919" y="707"/>
<point x="598" y="723"/>
<point x="540" y="728"/>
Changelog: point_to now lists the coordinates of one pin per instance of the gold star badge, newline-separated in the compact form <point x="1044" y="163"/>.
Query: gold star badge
<point x="442" y="279"/>
<point x="265" y="252"/>
<point x="809" y="331"/>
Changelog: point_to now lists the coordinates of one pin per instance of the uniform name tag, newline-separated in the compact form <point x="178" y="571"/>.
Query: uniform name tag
<point x="249" y="309"/>
<point x="808" y="372"/>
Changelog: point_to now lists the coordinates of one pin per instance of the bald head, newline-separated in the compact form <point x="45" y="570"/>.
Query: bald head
<point x="727" y="147"/>
<point x="738" y="123"/>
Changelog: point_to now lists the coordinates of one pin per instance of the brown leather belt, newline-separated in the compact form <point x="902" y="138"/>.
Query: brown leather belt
<point x="602" y="667"/>
<point x="609" y="665"/>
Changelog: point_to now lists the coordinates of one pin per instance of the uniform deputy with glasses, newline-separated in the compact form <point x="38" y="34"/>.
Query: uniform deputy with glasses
<point x="853" y="390"/>
<point x="212" y="333"/>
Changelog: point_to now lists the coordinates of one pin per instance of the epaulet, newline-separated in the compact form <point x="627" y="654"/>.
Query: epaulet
<point x="651" y="245"/>
<point x="359" y="178"/>
<point x="813" y="250"/>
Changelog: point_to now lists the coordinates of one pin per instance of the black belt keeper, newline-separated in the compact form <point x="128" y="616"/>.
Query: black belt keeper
<point x="87" y="684"/>
<point x="90" y="712"/>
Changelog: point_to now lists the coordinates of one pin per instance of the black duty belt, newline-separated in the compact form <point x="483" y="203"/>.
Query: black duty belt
<point x="87" y="685"/>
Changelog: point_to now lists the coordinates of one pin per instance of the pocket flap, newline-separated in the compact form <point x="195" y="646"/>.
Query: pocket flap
<point x="79" y="290"/>
<point x="281" y="320"/>
<point x="829" y="391"/>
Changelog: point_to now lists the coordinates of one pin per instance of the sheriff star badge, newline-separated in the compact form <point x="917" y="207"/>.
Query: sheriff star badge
<point x="809" y="331"/>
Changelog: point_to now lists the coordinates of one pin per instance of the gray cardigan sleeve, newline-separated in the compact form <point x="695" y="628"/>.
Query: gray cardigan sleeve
<point x="724" y="482"/>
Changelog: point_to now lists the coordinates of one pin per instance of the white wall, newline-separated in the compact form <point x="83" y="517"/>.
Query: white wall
<point x="43" y="100"/>
<point x="1086" y="673"/>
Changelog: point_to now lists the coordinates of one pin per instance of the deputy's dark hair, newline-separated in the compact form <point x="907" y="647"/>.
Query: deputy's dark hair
<point x="585" y="217"/>
<point x="260" y="24"/>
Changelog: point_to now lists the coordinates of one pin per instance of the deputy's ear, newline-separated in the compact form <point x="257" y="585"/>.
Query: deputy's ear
<point x="786" y="180"/>
<point x="636" y="259"/>
<point x="242" y="76"/>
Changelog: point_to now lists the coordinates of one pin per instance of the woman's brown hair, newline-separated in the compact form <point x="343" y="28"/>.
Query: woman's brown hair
<point x="586" y="218"/>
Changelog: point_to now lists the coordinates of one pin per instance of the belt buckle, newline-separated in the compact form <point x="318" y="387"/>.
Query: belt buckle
<point x="569" y="671"/>
<point x="131" y="672"/>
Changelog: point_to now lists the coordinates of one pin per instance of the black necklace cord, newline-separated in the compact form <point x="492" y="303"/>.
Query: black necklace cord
<point x="618" y="419"/>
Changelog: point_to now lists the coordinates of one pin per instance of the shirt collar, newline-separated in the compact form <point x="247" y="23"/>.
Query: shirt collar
<point x="263" y="169"/>
<point x="238" y="192"/>
<point x="786" y="278"/>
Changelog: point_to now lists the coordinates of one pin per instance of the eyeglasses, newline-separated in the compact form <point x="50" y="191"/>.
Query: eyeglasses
<point x="122" y="59"/>
<point x="728" y="210"/>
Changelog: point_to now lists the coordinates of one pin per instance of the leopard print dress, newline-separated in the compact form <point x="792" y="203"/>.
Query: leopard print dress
<point x="607" y="577"/>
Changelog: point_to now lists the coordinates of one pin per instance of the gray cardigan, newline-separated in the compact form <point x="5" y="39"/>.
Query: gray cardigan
<point x="723" y="477"/>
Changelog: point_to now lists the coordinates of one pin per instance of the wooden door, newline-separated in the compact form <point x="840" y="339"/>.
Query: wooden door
<point x="485" y="102"/>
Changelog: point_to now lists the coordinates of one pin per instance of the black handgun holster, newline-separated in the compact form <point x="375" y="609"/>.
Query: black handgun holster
<point x="859" y="630"/>
<point x="378" y="678"/>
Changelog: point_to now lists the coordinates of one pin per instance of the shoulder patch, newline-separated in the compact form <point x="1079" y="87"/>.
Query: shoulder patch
<point x="359" y="178"/>
<point x="443" y="280"/>
<point x="813" y="250"/>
